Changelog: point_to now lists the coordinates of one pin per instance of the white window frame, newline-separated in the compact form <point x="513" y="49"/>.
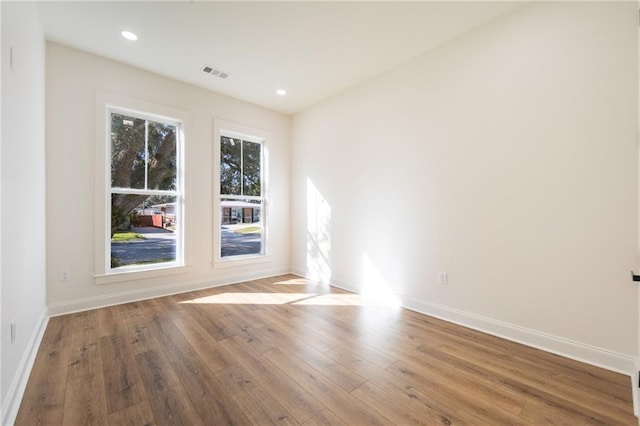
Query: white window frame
<point x="108" y="103"/>
<point x="249" y="134"/>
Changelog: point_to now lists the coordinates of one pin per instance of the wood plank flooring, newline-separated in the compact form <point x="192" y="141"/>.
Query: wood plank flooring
<point x="284" y="350"/>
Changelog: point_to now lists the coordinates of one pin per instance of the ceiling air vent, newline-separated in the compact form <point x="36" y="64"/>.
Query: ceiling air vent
<point x="217" y="72"/>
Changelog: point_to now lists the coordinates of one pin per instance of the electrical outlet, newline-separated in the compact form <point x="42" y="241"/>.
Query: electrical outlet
<point x="13" y="331"/>
<point x="443" y="279"/>
<point x="65" y="275"/>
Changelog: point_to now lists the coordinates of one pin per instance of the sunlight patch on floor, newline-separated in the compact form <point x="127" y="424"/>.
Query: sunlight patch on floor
<point x="250" y="298"/>
<point x="299" y="281"/>
<point x="345" y="299"/>
<point x="302" y="299"/>
<point x="333" y="300"/>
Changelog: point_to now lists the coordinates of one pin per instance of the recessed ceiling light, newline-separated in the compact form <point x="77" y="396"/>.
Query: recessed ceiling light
<point x="281" y="92"/>
<point x="129" y="35"/>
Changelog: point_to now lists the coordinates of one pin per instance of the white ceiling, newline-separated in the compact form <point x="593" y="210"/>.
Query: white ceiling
<point x="312" y="49"/>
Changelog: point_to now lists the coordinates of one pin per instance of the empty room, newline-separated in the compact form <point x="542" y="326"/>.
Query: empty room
<point x="307" y="213"/>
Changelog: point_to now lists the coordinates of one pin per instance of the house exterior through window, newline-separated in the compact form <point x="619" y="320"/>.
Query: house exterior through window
<point x="241" y="197"/>
<point x="144" y="192"/>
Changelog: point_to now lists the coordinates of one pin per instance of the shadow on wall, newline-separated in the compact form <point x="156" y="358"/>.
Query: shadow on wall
<point x="375" y="288"/>
<point x="318" y="235"/>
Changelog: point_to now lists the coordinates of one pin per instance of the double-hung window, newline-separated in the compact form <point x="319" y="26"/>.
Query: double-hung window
<point x="242" y="202"/>
<point x="145" y="192"/>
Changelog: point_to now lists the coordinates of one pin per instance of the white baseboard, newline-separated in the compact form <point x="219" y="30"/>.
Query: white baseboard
<point x="589" y="354"/>
<point x="11" y="403"/>
<point x="79" y="305"/>
<point x="593" y="355"/>
<point x="599" y="357"/>
<point x="298" y="271"/>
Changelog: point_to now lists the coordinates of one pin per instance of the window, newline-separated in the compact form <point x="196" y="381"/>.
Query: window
<point x="242" y="199"/>
<point x="144" y="192"/>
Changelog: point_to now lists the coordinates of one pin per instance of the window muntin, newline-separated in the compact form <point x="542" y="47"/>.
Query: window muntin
<point x="241" y="197"/>
<point x="145" y="192"/>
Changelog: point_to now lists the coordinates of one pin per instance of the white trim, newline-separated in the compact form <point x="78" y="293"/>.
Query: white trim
<point x="250" y="134"/>
<point x="578" y="351"/>
<point x="88" y="303"/>
<point x="589" y="354"/>
<point x="301" y="272"/>
<point x="177" y="194"/>
<point x="137" y="274"/>
<point x="240" y="261"/>
<point x="12" y="401"/>
<point x="142" y="113"/>
<point x="105" y="103"/>
<point x="599" y="357"/>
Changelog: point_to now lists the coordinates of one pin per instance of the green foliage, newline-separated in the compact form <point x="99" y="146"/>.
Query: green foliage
<point x="131" y="161"/>
<point x="230" y="167"/>
<point x="240" y="162"/>
<point x="122" y="236"/>
<point x="251" y="153"/>
<point x="160" y="199"/>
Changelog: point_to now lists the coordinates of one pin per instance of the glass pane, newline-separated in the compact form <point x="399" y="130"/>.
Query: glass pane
<point x="230" y="162"/>
<point x="251" y="168"/>
<point x="241" y="229"/>
<point x="143" y="229"/>
<point x="127" y="152"/>
<point x="162" y="156"/>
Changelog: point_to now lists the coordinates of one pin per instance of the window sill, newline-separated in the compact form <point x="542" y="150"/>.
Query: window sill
<point x="239" y="261"/>
<point x="118" y="277"/>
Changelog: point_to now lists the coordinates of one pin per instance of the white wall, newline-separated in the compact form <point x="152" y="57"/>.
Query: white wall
<point x="73" y="79"/>
<point x="507" y="158"/>
<point x="23" y="196"/>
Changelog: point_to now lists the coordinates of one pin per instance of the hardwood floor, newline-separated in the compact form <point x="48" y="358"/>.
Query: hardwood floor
<point x="284" y="350"/>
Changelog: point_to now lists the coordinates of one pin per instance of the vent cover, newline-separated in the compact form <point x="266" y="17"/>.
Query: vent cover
<point x="217" y="72"/>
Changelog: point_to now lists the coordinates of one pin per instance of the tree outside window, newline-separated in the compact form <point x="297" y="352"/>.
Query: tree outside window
<point x="241" y="197"/>
<point x="144" y="190"/>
